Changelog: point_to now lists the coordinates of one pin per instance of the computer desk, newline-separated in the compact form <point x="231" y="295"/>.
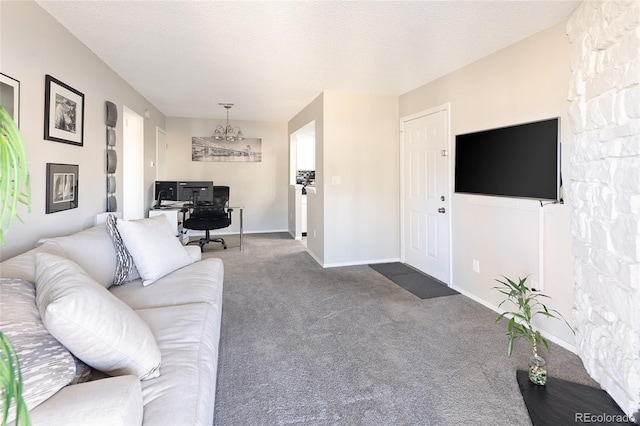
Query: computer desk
<point x="172" y="213"/>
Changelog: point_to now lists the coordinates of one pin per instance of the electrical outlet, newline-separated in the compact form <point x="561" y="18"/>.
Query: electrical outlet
<point x="476" y="266"/>
<point x="314" y="233"/>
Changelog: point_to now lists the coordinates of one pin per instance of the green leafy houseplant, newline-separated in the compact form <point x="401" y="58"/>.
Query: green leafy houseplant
<point x="11" y="381"/>
<point x="14" y="174"/>
<point x="520" y="322"/>
<point x="14" y="190"/>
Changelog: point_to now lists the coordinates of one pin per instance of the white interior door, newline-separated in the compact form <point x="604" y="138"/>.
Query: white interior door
<point x="161" y="154"/>
<point x="132" y="165"/>
<point x="425" y="194"/>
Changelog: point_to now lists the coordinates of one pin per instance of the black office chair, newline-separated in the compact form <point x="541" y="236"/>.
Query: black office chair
<point x="207" y="216"/>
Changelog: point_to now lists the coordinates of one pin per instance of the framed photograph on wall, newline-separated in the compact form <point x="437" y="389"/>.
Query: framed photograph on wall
<point x="62" y="187"/>
<point x="63" y="113"/>
<point x="206" y="148"/>
<point x="10" y="96"/>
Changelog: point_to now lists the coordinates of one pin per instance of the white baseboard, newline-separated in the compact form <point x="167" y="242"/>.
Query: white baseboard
<point x="360" y="262"/>
<point x="235" y="232"/>
<point x="555" y="339"/>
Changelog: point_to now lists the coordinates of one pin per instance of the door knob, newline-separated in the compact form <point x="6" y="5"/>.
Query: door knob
<point x="441" y="210"/>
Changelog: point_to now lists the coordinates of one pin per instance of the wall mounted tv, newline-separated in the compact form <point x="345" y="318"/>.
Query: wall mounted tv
<point x="520" y="161"/>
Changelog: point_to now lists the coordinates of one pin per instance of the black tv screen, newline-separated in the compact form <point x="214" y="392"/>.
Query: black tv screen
<point x="516" y="161"/>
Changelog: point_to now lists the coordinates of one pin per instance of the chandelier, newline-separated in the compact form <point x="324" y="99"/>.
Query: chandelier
<point x="228" y="132"/>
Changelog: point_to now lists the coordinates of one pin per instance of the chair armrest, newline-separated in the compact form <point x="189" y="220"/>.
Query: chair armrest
<point x="111" y="401"/>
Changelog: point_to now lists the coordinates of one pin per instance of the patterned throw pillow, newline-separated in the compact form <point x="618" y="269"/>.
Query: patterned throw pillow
<point x="84" y="373"/>
<point x="125" y="267"/>
<point x="46" y="365"/>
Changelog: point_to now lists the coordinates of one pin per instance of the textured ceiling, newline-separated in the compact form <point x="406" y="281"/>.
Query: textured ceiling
<point x="272" y="58"/>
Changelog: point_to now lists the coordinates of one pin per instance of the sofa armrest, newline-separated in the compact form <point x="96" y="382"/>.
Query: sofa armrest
<point x="110" y="401"/>
<point x="194" y="252"/>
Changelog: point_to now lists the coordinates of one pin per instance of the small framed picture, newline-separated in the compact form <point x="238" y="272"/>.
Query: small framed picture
<point x="63" y="113"/>
<point x="10" y="96"/>
<point x="62" y="187"/>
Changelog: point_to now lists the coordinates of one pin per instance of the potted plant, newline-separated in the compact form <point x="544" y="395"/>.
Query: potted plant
<point x="14" y="190"/>
<point x="520" y="322"/>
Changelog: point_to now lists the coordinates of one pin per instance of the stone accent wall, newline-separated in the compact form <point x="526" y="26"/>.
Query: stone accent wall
<point x="604" y="95"/>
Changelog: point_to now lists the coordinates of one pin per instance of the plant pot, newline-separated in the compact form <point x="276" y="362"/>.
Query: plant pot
<point x="538" y="370"/>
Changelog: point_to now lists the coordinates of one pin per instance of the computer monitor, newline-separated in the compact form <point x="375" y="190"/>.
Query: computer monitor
<point x="195" y="191"/>
<point x="165" y="190"/>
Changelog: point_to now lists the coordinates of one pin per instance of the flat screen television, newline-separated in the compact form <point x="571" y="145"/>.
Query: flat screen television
<point x="520" y="161"/>
<point x="195" y="191"/>
<point x="165" y="190"/>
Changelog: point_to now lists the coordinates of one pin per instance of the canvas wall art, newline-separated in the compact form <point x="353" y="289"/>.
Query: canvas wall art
<point x="248" y="150"/>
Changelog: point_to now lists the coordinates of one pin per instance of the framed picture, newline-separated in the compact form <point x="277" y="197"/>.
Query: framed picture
<point x="10" y="96"/>
<point x="63" y="113"/>
<point x="62" y="187"/>
<point x="206" y="148"/>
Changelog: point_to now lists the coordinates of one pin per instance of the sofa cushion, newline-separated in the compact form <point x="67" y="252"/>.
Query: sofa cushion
<point x="90" y="248"/>
<point x="96" y="326"/>
<point x="110" y="402"/>
<point x="22" y="266"/>
<point x="125" y="266"/>
<point x="154" y="248"/>
<point x="46" y="365"/>
<point x="188" y="337"/>
<point x="199" y="282"/>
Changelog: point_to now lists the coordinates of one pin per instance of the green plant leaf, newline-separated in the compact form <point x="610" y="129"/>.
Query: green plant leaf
<point x="528" y="306"/>
<point x="15" y="185"/>
<point x="11" y="381"/>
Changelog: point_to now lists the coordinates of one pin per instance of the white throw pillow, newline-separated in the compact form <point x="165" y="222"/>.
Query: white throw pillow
<point x="154" y="248"/>
<point x="91" y="322"/>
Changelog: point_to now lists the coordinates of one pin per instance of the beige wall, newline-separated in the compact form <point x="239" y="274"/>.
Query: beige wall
<point x="525" y="82"/>
<point x="260" y="187"/>
<point x="361" y="148"/>
<point x="33" y="44"/>
<point x="356" y="141"/>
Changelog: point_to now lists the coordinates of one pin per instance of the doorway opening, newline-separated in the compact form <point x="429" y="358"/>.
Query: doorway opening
<point x="161" y="154"/>
<point x="132" y="165"/>
<point x="302" y="175"/>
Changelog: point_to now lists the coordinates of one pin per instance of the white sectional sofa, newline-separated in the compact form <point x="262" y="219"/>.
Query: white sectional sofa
<point x="166" y="377"/>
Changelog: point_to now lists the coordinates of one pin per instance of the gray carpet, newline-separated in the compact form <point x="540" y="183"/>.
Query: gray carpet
<point x="345" y="346"/>
<point x="422" y="285"/>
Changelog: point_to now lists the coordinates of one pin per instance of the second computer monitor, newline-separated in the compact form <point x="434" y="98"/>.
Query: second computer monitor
<point x="166" y="190"/>
<point x="195" y="191"/>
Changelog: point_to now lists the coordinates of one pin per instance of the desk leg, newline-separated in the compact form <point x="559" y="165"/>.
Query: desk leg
<point x="241" y="233"/>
